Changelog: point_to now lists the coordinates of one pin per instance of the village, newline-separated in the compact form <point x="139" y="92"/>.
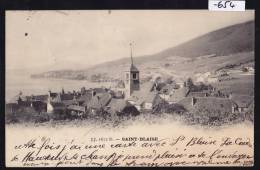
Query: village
<point x="131" y="98"/>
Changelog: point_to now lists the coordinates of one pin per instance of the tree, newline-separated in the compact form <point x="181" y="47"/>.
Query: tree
<point x="168" y="108"/>
<point x="83" y="90"/>
<point x="158" y="79"/>
<point x="244" y="69"/>
<point x="169" y="80"/>
<point x="120" y="84"/>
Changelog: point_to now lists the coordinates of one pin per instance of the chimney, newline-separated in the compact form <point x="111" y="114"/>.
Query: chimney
<point x="193" y="101"/>
<point x="233" y="109"/>
<point x="49" y="96"/>
<point x="19" y="100"/>
<point x="230" y="96"/>
<point x="74" y="97"/>
<point x="49" y="93"/>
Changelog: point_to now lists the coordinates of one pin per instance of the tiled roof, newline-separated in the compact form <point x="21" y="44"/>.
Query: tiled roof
<point x="208" y="104"/>
<point x="145" y="94"/>
<point x="66" y="96"/>
<point x="15" y="98"/>
<point x="85" y="99"/>
<point x="160" y="85"/>
<point x="40" y="97"/>
<point x="99" y="100"/>
<point x="121" y="107"/>
<point x="100" y="90"/>
<point x="53" y="95"/>
<point x="197" y="94"/>
<point x="117" y="94"/>
<point x="57" y="105"/>
<point x="179" y="94"/>
<point x="77" y="108"/>
<point x="242" y="100"/>
<point x="149" y="97"/>
<point x="167" y="88"/>
<point x="69" y="102"/>
<point x="10" y="107"/>
<point x="117" y="105"/>
<point x="38" y="103"/>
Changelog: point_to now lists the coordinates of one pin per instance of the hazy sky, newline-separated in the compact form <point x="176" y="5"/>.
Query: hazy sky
<point x="77" y="39"/>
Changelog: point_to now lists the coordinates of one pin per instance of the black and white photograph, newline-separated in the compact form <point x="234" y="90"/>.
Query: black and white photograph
<point x="89" y="88"/>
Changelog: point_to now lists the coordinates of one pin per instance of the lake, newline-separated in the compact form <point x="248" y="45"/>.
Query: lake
<point x="17" y="81"/>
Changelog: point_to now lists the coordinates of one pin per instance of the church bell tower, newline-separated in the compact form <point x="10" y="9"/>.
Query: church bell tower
<point x="132" y="79"/>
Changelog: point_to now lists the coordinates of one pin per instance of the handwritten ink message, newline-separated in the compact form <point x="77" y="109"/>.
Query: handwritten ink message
<point x="149" y="151"/>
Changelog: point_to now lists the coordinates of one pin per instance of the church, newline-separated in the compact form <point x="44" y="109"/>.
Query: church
<point x="132" y="78"/>
<point x="140" y="95"/>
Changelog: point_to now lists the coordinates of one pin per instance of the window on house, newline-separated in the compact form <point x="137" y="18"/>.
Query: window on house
<point x="134" y="76"/>
<point x="127" y="75"/>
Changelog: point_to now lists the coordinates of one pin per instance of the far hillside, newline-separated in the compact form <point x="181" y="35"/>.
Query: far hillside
<point x="224" y="49"/>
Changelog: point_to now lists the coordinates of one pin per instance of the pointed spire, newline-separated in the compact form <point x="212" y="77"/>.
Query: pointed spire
<point x="131" y="54"/>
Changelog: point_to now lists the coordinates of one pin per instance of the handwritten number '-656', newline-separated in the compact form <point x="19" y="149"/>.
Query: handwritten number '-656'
<point x="224" y="4"/>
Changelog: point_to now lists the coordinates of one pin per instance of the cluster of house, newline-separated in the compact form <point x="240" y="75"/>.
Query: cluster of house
<point x="133" y="99"/>
<point x="90" y="101"/>
<point x="222" y="75"/>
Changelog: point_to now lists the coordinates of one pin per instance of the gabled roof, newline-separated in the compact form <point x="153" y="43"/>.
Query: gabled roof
<point x="161" y="85"/>
<point x="77" y="108"/>
<point x="197" y="94"/>
<point x="99" y="100"/>
<point x="208" y="104"/>
<point x="11" y="107"/>
<point x="40" y="97"/>
<point x="99" y="90"/>
<point x="149" y="97"/>
<point x="122" y="107"/>
<point x="140" y="97"/>
<point x="117" y="105"/>
<point x="85" y="99"/>
<point x="148" y="86"/>
<point x="17" y="97"/>
<point x="52" y="95"/>
<point x="69" y="102"/>
<point x="25" y="103"/>
<point x="66" y="97"/>
<point x="242" y="100"/>
<point x="179" y="94"/>
<point x="57" y="105"/>
<point x="168" y="88"/>
<point x="145" y="94"/>
<point x="38" y="103"/>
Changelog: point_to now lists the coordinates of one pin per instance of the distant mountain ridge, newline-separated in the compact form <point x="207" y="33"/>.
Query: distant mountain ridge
<point x="227" y="41"/>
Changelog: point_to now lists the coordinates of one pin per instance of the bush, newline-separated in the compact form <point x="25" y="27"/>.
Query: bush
<point x="213" y="119"/>
<point x="168" y="108"/>
<point x="25" y="115"/>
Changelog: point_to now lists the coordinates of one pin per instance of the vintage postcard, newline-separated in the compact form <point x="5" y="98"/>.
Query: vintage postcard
<point x="87" y="88"/>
